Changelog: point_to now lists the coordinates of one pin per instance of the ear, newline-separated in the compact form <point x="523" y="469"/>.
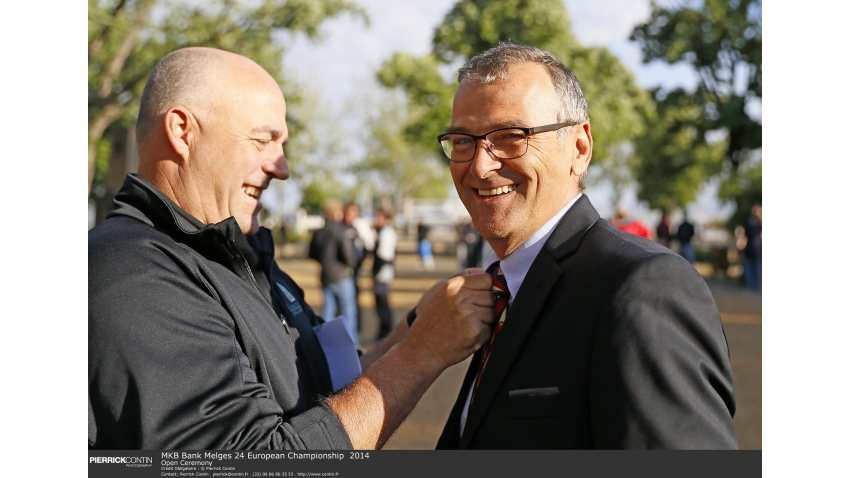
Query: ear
<point x="583" y="148"/>
<point x="180" y="129"/>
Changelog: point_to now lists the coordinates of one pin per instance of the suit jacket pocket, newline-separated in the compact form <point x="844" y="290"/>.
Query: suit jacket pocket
<point x="535" y="403"/>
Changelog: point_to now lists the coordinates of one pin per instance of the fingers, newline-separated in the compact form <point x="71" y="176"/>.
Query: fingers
<point x="474" y="288"/>
<point x="455" y="316"/>
<point x="473" y="270"/>
<point x="473" y="280"/>
<point x="483" y="298"/>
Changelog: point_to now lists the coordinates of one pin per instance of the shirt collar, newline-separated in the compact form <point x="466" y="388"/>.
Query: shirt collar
<point x="515" y="266"/>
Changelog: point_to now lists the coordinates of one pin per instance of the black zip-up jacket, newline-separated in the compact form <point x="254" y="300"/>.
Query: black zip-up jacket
<point x="186" y="347"/>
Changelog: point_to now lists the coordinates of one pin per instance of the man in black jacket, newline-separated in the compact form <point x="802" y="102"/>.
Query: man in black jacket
<point x="333" y="249"/>
<point x="606" y="340"/>
<point x="196" y="340"/>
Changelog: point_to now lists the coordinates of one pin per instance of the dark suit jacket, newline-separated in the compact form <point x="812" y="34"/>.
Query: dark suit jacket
<point x="612" y="342"/>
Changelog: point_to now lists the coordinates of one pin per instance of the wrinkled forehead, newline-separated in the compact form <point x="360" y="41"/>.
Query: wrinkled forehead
<point x="517" y="75"/>
<point x="254" y="100"/>
<point x="525" y="98"/>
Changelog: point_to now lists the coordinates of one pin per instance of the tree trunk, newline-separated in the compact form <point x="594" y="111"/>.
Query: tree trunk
<point x="111" y="110"/>
<point x="97" y="126"/>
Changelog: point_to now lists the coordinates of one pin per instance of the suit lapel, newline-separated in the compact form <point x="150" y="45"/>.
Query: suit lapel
<point x="542" y="276"/>
<point x="450" y="437"/>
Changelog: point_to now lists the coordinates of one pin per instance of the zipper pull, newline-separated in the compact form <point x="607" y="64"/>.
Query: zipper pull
<point x="288" y="332"/>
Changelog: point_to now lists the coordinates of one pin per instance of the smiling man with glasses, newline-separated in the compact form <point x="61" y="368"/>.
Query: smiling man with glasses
<point x="602" y="339"/>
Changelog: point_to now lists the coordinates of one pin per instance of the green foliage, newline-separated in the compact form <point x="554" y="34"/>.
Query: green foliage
<point x="318" y="148"/>
<point x="127" y="38"/>
<point x="104" y="151"/>
<point x="721" y="41"/>
<point x="616" y="104"/>
<point x="395" y="166"/>
<point x="315" y="194"/>
<point x="744" y="188"/>
<point x="430" y="97"/>
<point x="675" y="158"/>
<point x="473" y="26"/>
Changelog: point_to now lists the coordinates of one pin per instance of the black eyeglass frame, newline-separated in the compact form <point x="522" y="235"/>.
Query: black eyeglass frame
<point x="528" y="132"/>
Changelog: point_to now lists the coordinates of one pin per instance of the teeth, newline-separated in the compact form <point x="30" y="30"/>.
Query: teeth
<point x="497" y="191"/>
<point x="252" y="191"/>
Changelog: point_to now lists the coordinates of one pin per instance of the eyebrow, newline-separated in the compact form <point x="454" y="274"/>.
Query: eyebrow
<point x="511" y="123"/>
<point x="275" y="133"/>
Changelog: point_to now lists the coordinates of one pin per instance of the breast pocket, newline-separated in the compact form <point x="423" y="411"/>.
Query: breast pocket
<point x="535" y="402"/>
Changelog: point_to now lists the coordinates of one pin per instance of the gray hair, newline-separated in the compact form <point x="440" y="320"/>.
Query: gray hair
<point x="497" y="62"/>
<point x="179" y="78"/>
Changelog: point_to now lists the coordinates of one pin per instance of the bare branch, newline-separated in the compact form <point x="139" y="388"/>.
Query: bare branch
<point x="97" y="43"/>
<point x="709" y="81"/>
<point x="97" y="126"/>
<point x="113" y="69"/>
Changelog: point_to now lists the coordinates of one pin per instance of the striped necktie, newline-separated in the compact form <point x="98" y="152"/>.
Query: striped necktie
<point x="502" y="295"/>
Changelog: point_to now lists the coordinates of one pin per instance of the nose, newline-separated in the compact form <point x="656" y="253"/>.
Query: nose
<point x="277" y="167"/>
<point x="483" y="161"/>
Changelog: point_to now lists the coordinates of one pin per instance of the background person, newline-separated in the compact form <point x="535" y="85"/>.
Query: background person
<point x="473" y="242"/>
<point x="426" y="255"/>
<point x="752" y="249"/>
<point x="383" y="271"/>
<point x="333" y="248"/>
<point x="623" y="222"/>
<point x="662" y="230"/>
<point x="361" y="235"/>
<point x="685" y="235"/>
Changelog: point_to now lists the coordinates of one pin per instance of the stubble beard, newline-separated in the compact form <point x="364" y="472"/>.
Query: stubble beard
<point x="494" y="226"/>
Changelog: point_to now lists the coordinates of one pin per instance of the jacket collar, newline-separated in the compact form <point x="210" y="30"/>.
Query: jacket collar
<point x="526" y="308"/>
<point x="219" y="242"/>
<point x="570" y="231"/>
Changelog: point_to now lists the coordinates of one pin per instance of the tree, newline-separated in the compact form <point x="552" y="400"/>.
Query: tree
<point x="721" y="41"/>
<point x="395" y="167"/>
<point x="318" y="151"/>
<point x="473" y="26"/>
<point x="127" y="38"/>
<point x="675" y="158"/>
<point x="744" y="189"/>
<point x="429" y="105"/>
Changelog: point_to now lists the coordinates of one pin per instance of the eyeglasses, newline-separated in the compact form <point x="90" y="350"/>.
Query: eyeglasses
<point x="504" y="143"/>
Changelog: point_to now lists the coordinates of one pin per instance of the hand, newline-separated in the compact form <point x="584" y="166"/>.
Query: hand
<point x="428" y="296"/>
<point x="455" y="317"/>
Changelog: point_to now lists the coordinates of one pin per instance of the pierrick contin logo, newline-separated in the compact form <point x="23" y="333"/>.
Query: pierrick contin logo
<point x="135" y="461"/>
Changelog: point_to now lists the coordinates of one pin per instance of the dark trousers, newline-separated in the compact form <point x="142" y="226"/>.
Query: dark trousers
<point x="357" y="299"/>
<point x="382" y="304"/>
<point x="752" y="273"/>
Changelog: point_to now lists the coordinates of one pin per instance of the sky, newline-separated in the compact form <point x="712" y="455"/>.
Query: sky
<point x="344" y="63"/>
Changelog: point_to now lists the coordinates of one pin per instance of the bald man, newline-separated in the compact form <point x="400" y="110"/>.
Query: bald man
<point x="190" y="346"/>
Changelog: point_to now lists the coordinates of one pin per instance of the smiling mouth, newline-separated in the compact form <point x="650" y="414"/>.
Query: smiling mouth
<point x="252" y="191"/>
<point x="496" y="192"/>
